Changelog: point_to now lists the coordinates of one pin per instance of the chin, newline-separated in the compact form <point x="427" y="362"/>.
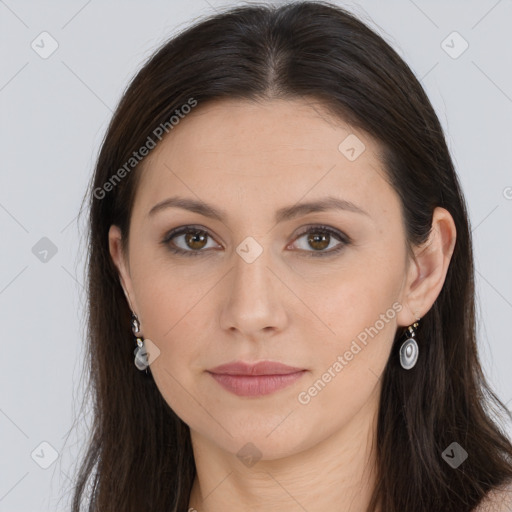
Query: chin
<point x="265" y="440"/>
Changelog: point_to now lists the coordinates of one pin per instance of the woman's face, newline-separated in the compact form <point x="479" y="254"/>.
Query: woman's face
<point x="265" y="281"/>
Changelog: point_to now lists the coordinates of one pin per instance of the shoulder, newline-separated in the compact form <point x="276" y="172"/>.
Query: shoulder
<point x="497" y="500"/>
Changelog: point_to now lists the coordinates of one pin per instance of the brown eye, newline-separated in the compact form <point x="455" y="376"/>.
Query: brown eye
<point x="188" y="241"/>
<point x="321" y="241"/>
<point x="196" y="240"/>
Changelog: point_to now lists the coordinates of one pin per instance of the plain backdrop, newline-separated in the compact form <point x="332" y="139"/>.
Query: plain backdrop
<point x="64" y="66"/>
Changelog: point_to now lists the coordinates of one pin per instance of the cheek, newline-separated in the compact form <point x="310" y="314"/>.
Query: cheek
<point x="171" y="315"/>
<point x="176" y="324"/>
<point x="349" y="365"/>
<point x="355" y="296"/>
<point x="167" y="294"/>
<point x="360" y="307"/>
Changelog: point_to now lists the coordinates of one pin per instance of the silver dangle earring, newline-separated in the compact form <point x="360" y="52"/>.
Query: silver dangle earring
<point x="409" y="350"/>
<point x="141" y="355"/>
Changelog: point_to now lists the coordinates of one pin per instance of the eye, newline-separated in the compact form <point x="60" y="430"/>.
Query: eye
<point x="193" y="240"/>
<point x="320" y="238"/>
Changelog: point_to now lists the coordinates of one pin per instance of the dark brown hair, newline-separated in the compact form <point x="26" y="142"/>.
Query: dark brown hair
<point x="139" y="455"/>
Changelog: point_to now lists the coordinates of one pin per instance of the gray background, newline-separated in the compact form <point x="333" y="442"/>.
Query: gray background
<point x="54" y="112"/>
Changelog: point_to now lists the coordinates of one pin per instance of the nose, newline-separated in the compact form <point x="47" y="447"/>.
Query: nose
<point x="256" y="305"/>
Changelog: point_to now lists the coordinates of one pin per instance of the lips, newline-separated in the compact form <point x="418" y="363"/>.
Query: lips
<point x="255" y="379"/>
<point x="260" y="368"/>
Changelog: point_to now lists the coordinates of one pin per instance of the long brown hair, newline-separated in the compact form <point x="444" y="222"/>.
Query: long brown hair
<point x="139" y="455"/>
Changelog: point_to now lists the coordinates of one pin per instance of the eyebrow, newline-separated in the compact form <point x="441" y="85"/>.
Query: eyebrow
<point x="283" y="214"/>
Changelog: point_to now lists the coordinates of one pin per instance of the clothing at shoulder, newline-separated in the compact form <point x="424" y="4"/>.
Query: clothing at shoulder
<point x="497" y="500"/>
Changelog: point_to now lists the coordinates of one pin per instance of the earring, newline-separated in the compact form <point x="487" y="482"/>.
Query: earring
<point x="141" y="355"/>
<point x="409" y="349"/>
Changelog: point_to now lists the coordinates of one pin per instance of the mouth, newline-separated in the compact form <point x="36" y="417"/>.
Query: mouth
<point x="255" y="379"/>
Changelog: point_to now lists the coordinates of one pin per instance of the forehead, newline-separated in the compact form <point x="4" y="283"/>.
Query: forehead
<point x="275" y="150"/>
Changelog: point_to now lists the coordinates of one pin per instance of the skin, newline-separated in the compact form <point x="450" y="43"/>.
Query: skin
<point x="250" y="159"/>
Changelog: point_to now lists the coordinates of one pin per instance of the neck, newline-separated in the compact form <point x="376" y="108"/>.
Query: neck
<point x="336" y="474"/>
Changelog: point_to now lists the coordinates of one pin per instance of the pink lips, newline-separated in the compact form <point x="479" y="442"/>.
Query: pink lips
<point x="255" y="379"/>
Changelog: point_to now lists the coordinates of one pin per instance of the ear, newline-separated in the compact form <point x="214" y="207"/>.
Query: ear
<point x="120" y="260"/>
<point x="427" y="270"/>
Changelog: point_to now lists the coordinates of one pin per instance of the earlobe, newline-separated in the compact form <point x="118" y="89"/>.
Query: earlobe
<point x="118" y="257"/>
<point x="430" y="265"/>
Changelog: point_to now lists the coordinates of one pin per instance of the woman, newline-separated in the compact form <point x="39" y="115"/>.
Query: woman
<point x="281" y="283"/>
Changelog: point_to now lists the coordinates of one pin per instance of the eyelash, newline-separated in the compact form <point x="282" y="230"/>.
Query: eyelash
<point x="317" y="229"/>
